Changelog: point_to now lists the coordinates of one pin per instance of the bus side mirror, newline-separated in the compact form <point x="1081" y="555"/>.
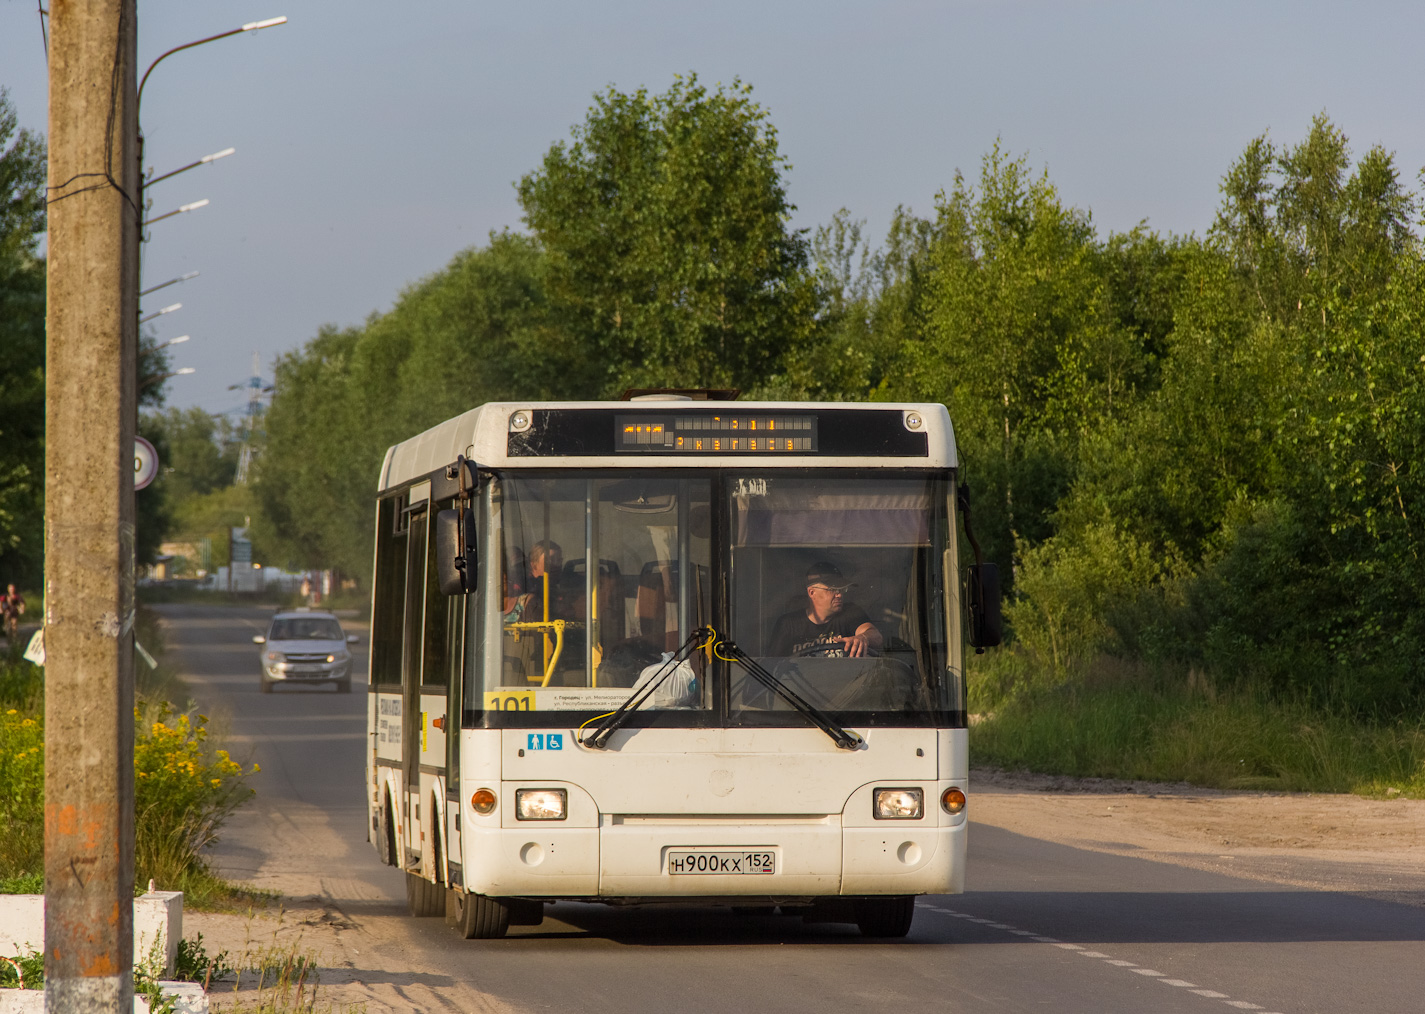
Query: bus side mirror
<point x="986" y="628"/>
<point x="455" y="557"/>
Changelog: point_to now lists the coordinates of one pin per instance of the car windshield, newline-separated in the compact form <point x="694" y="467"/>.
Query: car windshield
<point x="837" y="589"/>
<point x="305" y="628"/>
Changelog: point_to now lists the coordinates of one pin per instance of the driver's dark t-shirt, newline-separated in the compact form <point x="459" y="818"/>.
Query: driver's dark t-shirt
<point x="794" y="632"/>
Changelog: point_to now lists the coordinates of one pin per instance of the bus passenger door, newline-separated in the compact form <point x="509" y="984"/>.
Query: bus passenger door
<point x="411" y="643"/>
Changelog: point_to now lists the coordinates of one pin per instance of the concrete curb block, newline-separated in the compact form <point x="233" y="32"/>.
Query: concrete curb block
<point x="190" y="995"/>
<point x="158" y="925"/>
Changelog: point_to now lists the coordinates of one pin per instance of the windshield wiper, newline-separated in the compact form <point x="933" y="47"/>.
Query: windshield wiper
<point x="598" y="737"/>
<point x="730" y="652"/>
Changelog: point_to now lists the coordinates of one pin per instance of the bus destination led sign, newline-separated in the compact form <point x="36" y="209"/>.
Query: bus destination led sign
<point x="750" y="433"/>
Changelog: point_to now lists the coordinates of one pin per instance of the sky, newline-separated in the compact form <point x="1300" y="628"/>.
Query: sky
<point x="375" y="141"/>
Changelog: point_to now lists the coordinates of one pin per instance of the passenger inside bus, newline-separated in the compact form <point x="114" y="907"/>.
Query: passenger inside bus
<point x="525" y="601"/>
<point x="827" y="624"/>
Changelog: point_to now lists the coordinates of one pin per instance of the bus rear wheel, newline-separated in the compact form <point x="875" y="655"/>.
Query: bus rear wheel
<point x="422" y="897"/>
<point x="885" y="916"/>
<point x="475" y="916"/>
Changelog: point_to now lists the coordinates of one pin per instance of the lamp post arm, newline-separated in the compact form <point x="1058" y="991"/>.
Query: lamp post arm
<point x="250" y="26"/>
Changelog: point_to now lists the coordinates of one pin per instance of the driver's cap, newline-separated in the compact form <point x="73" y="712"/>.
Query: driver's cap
<point x="827" y="574"/>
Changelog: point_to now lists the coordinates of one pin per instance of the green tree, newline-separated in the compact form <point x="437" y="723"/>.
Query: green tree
<point x="1017" y="335"/>
<point x="671" y="261"/>
<point x="22" y="350"/>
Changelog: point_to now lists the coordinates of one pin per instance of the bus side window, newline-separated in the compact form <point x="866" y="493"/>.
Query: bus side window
<point x="388" y="620"/>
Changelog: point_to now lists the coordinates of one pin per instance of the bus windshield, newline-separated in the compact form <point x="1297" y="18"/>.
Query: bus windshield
<point x="838" y="590"/>
<point x="835" y="583"/>
<point x="599" y="579"/>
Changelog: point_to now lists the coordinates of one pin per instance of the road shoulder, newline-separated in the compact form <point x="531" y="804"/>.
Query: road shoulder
<point x="1326" y="842"/>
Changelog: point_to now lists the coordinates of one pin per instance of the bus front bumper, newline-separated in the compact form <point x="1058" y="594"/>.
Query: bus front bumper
<point x="645" y="857"/>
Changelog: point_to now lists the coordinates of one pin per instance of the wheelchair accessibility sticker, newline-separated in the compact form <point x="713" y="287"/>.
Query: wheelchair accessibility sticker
<point x="545" y="741"/>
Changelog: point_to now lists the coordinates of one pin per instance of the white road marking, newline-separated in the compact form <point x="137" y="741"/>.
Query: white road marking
<point x="1210" y="994"/>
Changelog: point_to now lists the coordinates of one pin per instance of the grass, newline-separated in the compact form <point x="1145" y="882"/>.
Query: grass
<point x="274" y="978"/>
<point x="1183" y="730"/>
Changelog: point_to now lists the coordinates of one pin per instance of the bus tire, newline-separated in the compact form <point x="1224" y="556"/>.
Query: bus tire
<point x="422" y="897"/>
<point x="476" y="916"/>
<point x="386" y="835"/>
<point x="885" y="916"/>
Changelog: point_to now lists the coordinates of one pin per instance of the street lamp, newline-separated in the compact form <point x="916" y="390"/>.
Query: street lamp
<point x="140" y="207"/>
<point x="164" y="376"/>
<point x="193" y="165"/>
<point x="251" y="26"/>
<point x="172" y="341"/>
<point x="187" y="207"/>
<point x="171" y="281"/>
<point x="160" y="313"/>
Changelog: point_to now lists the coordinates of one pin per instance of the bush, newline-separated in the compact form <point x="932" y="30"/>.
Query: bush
<point x="22" y="783"/>
<point x="183" y="793"/>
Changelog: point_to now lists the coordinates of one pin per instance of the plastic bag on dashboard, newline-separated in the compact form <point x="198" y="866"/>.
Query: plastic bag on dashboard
<point x="679" y="689"/>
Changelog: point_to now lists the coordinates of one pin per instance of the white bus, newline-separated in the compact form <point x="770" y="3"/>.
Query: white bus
<point x="673" y="650"/>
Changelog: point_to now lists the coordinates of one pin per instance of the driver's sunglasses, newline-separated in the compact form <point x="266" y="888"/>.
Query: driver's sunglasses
<point x="829" y="591"/>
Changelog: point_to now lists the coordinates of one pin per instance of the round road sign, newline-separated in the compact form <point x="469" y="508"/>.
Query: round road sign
<point x="145" y="463"/>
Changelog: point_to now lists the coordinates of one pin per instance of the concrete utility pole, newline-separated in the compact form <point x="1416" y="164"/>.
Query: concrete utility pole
<point x="92" y="328"/>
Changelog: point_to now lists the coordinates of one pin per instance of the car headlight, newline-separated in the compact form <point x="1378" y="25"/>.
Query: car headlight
<point x="541" y="804"/>
<point x="899" y="804"/>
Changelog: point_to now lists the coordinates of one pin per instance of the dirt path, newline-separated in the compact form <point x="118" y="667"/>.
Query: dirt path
<point x="1326" y="842"/>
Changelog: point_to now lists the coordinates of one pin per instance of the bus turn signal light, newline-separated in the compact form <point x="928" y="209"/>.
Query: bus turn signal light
<point x="953" y="800"/>
<point x="483" y="800"/>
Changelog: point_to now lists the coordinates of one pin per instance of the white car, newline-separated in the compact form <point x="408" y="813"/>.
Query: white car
<point x="307" y="647"/>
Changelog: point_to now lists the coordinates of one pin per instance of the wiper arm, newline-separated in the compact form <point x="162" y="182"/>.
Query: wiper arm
<point x="598" y="737"/>
<point x="730" y="652"/>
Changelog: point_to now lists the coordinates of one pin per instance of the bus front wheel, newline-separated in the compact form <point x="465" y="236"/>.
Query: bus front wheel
<point x="885" y="916"/>
<point x="475" y="916"/>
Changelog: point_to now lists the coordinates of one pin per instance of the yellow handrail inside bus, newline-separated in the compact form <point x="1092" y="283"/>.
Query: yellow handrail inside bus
<point x="544" y="627"/>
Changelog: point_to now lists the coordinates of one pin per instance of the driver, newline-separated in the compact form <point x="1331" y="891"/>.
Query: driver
<point x="829" y="624"/>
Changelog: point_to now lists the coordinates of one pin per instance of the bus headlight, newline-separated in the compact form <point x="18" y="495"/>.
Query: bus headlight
<point x="482" y="801"/>
<point x="953" y="800"/>
<point x="541" y="804"/>
<point x="899" y="804"/>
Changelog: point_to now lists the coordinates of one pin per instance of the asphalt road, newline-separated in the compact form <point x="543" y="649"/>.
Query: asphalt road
<point x="1043" y="927"/>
